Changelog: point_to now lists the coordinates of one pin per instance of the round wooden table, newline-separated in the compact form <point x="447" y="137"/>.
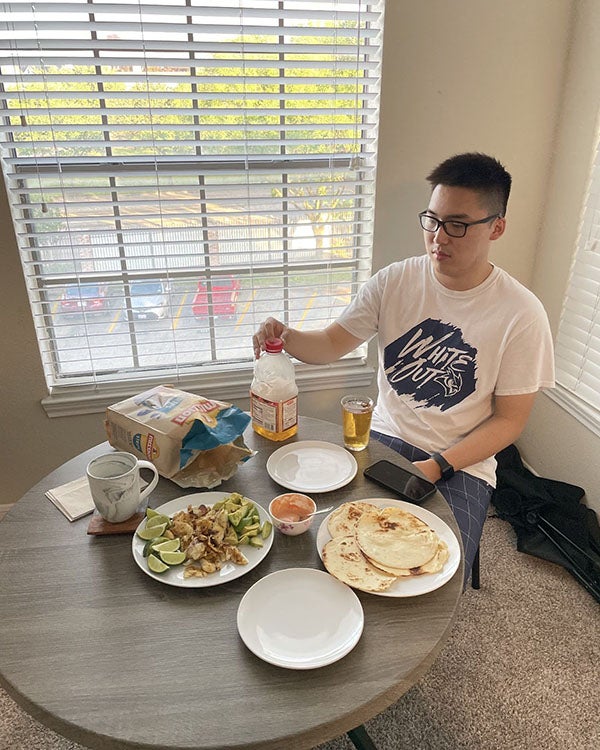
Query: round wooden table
<point x="111" y="658"/>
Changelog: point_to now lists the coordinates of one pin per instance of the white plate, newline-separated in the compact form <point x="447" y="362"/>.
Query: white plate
<point x="312" y="466"/>
<point x="229" y="571"/>
<point x="272" y="618"/>
<point x="416" y="584"/>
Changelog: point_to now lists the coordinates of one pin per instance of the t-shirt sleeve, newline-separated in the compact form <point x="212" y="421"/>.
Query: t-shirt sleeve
<point x="361" y="317"/>
<point x="528" y="360"/>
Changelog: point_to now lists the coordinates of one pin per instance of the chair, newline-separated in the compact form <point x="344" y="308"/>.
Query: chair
<point x="475" y="570"/>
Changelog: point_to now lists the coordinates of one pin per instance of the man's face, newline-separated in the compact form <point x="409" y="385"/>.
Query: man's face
<point x="460" y="263"/>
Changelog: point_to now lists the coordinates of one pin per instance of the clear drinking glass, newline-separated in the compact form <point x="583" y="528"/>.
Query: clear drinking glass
<point x="356" y="419"/>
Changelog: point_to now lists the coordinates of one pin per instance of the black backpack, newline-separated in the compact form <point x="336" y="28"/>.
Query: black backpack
<point x="549" y="519"/>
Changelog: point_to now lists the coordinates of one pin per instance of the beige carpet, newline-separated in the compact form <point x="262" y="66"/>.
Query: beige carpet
<point x="520" y="670"/>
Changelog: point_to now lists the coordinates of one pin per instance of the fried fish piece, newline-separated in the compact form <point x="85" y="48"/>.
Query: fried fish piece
<point x="207" y="538"/>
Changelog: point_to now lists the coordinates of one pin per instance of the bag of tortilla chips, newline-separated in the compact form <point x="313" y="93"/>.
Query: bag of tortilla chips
<point x="194" y="441"/>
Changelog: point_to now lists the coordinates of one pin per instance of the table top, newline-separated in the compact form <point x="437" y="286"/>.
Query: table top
<point x="111" y="658"/>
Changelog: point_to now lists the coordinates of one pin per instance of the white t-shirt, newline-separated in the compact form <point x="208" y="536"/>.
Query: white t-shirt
<point x="444" y="354"/>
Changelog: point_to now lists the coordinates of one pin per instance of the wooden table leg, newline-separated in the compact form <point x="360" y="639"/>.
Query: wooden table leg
<point x="360" y="738"/>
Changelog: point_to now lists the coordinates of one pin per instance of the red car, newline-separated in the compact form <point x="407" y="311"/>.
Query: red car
<point x="225" y="292"/>
<point x="83" y="297"/>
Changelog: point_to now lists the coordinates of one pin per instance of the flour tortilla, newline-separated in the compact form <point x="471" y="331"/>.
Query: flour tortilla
<point x="343" y="520"/>
<point x="396" y="539"/>
<point x="398" y="572"/>
<point x="344" y="560"/>
<point x="434" y="565"/>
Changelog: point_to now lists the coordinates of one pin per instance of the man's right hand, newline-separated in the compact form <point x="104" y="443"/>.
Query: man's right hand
<point x="268" y="329"/>
<point x="313" y="347"/>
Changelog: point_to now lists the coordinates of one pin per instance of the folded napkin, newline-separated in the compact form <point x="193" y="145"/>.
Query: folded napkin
<point x="73" y="499"/>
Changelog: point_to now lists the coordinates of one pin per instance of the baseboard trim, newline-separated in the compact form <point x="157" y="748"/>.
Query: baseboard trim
<point x="530" y="468"/>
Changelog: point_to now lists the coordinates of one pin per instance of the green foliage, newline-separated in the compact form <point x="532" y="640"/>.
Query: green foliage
<point x="157" y="113"/>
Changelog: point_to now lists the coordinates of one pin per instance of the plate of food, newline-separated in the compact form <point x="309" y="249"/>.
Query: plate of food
<point x="312" y="466"/>
<point x="272" y="619"/>
<point x="388" y="547"/>
<point x="202" y="539"/>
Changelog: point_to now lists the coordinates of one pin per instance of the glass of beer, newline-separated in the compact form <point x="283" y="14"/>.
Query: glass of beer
<point x="356" y="415"/>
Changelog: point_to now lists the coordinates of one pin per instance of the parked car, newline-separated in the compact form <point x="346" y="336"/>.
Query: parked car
<point x="225" y="293"/>
<point x="149" y="299"/>
<point x="87" y="297"/>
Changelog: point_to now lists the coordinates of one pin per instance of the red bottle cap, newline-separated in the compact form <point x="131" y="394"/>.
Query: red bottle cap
<point x="273" y="346"/>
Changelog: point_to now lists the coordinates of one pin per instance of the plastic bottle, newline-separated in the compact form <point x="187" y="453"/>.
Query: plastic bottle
<point x="274" y="394"/>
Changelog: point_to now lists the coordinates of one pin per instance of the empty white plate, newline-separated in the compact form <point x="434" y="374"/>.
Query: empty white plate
<point x="300" y="618"/>
<point x="312" y="466"/>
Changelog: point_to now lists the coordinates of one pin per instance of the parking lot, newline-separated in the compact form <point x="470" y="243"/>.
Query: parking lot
<point x="113" y="339"/>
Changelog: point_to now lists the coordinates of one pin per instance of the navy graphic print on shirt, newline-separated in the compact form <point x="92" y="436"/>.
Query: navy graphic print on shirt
<point x="433" y="364"/>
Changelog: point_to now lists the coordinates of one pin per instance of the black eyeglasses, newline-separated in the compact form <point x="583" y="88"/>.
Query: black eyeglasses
<point x="452" y="228"/>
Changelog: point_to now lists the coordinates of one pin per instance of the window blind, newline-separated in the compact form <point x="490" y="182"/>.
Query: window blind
<point x="578" y="340"/>
<point x="177" y="172"/>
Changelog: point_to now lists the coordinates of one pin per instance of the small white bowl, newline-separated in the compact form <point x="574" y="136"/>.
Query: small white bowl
<point x="285" y="509"/>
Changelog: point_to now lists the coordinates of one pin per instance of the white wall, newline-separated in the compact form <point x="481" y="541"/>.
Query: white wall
<point x="554" y="442"/>
<point x="469" y="75"/>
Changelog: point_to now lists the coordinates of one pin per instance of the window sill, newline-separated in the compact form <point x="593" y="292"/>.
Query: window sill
<point x="234" y="384"/>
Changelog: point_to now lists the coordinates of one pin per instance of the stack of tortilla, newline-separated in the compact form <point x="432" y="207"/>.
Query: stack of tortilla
<point x="373" y="547"/>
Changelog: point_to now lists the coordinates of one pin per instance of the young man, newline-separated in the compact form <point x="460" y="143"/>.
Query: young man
<point x="463" y="347"/>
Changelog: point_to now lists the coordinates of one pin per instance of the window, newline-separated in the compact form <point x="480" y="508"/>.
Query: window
<point x="578" y="341"/>
<point x="178" y="171"/>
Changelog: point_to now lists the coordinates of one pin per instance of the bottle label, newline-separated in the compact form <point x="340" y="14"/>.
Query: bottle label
<point x="274" y="416"/>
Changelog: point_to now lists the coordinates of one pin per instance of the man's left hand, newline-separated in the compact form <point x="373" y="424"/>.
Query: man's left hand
<point x="430" y="468"/>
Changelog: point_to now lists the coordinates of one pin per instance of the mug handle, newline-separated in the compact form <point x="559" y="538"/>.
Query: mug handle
<point x="147" y="490"/>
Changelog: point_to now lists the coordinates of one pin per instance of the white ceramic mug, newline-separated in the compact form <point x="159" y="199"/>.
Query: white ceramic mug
<point x="114" y="480"/>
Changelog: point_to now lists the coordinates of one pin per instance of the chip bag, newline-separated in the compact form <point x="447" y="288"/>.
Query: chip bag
<point x="194" y="441"/>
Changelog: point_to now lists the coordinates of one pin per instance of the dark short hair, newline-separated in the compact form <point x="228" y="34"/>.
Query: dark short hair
<point x="479" y="172"/>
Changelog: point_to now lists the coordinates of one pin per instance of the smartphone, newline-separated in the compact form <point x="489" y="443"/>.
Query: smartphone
<point x="409" y="486"/>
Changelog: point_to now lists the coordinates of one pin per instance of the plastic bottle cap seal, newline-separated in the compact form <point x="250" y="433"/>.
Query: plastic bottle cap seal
<point x="273" y="345"/>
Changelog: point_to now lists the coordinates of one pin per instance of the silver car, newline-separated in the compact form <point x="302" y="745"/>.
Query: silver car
<point x="149" y="299"/>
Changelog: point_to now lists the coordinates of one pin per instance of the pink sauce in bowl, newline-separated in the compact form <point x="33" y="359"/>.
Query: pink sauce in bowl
<point x="290" y="512"/>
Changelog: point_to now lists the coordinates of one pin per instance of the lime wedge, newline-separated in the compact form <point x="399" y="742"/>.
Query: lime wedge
<point x="156" y="565"/>
<point x="151" y="512"/>
<point x="152" y="543"/>
<point x="152" y="532"/>
<point x="172" y="558"/>
<point x="171" y="545"/>
<point x="156" y="520"/>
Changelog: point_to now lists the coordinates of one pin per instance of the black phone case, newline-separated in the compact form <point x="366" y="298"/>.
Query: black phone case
<point x="390" y="486"/>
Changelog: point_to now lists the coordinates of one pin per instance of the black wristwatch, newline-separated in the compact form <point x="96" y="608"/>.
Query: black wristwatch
<point x="447" y="469"/>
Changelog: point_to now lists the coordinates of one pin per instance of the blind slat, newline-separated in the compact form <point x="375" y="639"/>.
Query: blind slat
<point x="578" y="340"/>
<point x="229" y="149"/>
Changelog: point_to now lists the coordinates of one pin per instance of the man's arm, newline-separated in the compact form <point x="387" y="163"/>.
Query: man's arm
<point x="312" y="347"/>
<point x="501" y="429"/>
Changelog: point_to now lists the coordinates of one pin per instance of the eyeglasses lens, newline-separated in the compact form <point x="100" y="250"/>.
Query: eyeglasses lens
<point x="428" y="223"/>
<point x="452" y="228"/>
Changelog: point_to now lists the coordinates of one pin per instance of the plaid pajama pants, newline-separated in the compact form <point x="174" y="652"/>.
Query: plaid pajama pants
<point x="468" y="496"/>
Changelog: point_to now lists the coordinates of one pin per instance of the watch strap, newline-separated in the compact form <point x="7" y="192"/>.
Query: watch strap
<point x="446" y="468"/>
